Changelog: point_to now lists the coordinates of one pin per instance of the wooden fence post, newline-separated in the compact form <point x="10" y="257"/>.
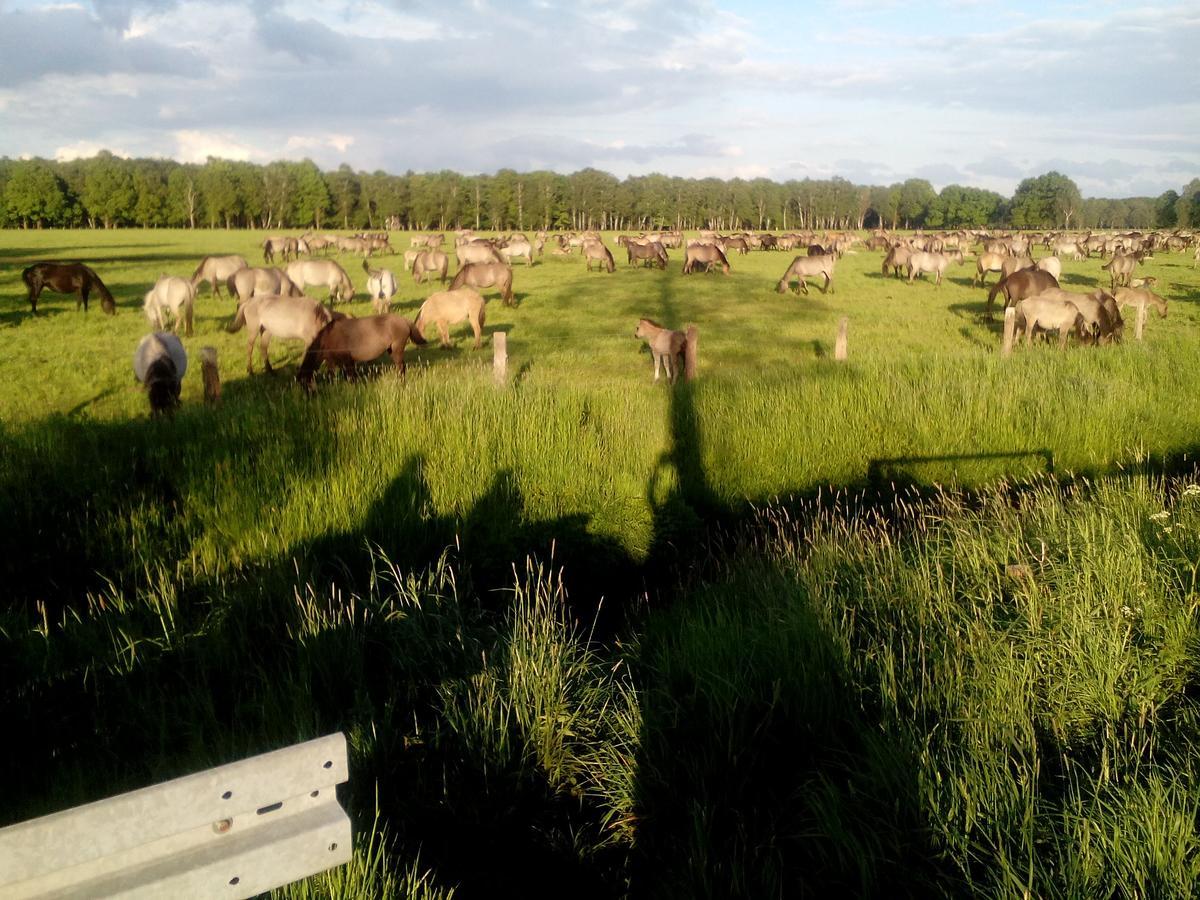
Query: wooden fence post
<point x="1010" y="327"/>
<point x="500" y="356"/>
<point x="1141" y="320"/>
<point x="840" y="348"/>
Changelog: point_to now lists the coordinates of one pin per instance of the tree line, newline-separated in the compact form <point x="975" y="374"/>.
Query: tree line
<point x="108" y="191"/>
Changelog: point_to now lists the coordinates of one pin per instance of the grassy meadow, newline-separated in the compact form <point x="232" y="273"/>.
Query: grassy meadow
<point x="920" y="623"/>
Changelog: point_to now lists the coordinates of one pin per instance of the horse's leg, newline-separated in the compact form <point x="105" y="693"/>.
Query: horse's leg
<point x="35" y="291"/>
<point x="657" y="362"/>
<point x="398" y="356"/>
<point x="264" y="344"/>
<point x="444" y="332"/>
<point x="83" y="297"/>
<point x="478" y="329"/>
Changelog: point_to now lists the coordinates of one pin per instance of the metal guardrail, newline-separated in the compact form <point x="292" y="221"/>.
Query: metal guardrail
<point x="229" y="832"/>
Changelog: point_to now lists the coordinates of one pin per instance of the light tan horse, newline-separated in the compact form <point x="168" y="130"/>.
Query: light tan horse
<point x="988" y="262"/>
<point x="596" y="252"/>
<point x="254" y="281"/>
<point x="287" y="318"/>
<point x="706" y="255"/>
<point x="482" y="275"/>
<point x="446" y="308"/>
<point x="430" y="262"/>
<point x="173" y="295"/>
<point x="519" y="250"/>
<point x="1138" y="297"/>
<point x="381" y="288"/>
<point x="215" y="269"/>
<point x="1049" y="314"/>
<point x="667" y="346"/>
<point x="937" y="263"/>
<point x="325" y="272"/>
<point x="805" y="267"/>
<point x="477" y="251"/>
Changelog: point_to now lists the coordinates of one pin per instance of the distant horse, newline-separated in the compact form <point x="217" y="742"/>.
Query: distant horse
<point x="482" y="275"/>
<point x="259" y="281"/>
<point x="381" y="288"/>
<point x="159" y="363"/>
<point x="805" y="267"/>
<point x="66" y="278"/>
<point x="287" y="247"/>
<point x="517" y="249"/>
<point x="446" y="308"/>
<point x="429" y="262"/>
<point x="477" y="251"/>
<point x="937" y="263"/>
<point x="596" y="252"/>
<point x="346" y="342"/>
<point x="667" y="346"/>
<point x="325" y="272"/>
<point x="705" y="255"/>
<point x="216" y="269"/>
<point x="174" y="295"/>
<point x="287" y="318"/>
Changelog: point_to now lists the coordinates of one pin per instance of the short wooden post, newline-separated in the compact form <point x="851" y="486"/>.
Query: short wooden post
<point x="500" y="356"/>
<point x="1141" y="320"/>
<point x="840" y="348"/>
<point x="1010" y="328"/>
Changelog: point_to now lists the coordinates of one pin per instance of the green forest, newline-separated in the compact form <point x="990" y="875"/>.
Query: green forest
<point x="108" y="191"/>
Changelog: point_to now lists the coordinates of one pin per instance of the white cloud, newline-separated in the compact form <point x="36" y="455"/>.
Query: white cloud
<point x="197" y="146"/>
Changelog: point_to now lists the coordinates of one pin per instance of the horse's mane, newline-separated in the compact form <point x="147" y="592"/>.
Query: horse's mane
<point x="651" y="322"/>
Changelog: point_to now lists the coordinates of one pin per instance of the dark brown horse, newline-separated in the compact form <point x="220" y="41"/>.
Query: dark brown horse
<point x="345" y="342"/>
<point x="66" y="278"/>
<point x="1019" y="285"/>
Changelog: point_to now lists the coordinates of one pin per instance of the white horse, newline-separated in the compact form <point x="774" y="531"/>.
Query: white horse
<point x="381" y="287"/>
<point x="322" y="271"/>
<point x="173" y="295"/>
<point x="287" y="318"/>
<point x="215" y="269"/>
<point x="159" y="363"/>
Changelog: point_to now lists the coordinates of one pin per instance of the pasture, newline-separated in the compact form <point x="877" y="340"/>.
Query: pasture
<point x="920" y="621"/>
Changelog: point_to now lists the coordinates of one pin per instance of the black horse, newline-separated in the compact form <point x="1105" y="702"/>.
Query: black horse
<point x="66" y="278"/>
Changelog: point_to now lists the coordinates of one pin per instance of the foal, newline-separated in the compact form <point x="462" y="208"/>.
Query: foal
<point x="665" y="345"/>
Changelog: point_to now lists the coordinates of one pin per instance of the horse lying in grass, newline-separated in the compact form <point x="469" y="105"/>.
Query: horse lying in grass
<point x="805" y="267"/>
<point x="667" y="346"/>
<point x="66" y="278"/>
<point x="287" y="318"/>
<point x="215" y="270"/>
<point x="346" y="342"/>
<point x="173" y="295"/>
<point x="159" y="363"/>
<point x="446" y="308"/>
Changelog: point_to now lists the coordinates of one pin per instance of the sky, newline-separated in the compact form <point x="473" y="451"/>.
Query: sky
<point x="954" y="91"/>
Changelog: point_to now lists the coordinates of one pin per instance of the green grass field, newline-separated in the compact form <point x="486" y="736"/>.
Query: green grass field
<point x="915" y="622"/>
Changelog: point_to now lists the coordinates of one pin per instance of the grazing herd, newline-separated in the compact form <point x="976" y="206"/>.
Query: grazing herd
<point x="275" y="303"/>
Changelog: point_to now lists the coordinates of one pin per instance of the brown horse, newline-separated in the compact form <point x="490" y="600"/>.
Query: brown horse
<point x="651" y="254"/>
<point x="595" y="251"/>
<point x="346" y="342"/>
<point x="486" y="274"/>
<point x="1019" y="285"/>
<point x="66" y="278"/>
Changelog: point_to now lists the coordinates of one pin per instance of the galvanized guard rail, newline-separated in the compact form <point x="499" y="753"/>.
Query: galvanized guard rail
<point x="230" y="832"/>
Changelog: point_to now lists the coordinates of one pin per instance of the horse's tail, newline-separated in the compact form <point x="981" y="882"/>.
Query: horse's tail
<point x="995" y="290"/>
<point x="690" y="347"/>
<point x="198" y="275"/>
<point x="417" y="337"/>
<point x="239" y="321"/>
<point x="460" y="278"/>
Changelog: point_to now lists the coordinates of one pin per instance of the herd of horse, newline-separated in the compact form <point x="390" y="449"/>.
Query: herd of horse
<point x="274" y="302"/>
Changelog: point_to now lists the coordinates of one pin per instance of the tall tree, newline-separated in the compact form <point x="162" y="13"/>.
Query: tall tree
<point x="108" y="192"/>
<point x="34" y="194"/>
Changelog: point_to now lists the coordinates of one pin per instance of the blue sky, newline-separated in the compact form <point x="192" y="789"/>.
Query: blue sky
<point x="875" y="91"/>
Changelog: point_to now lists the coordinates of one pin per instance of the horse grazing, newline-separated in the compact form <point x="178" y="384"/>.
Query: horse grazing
<point x="1019" y="285"/>
<point x="429" y="262"/>
<point x="477" y="251"/>
<point x="1138" y="297"/>
<point x="446" y="308"/>
<point x="595" y="251"/>
<point x="159" y="363"/>
<point x="287" y="318"/>
<point x="346" y="342"/>
<point x="381" y="288"/>
<point x="287" y="247"/>
<point x="258" y="281"/>
<point x="667" y="346"/>
<point x="1099" y="311"/>
<point x="482" y="275"/>
<point x="174" y="295"/>
<point x="922" y="261"/>
<point x="805" y="267"/>
<point x="66" y="278"/>
<point x="896" y="259"/>
<point x="706" y="255"/>
<point x="322" y="271"/>
<point x="1049" y="315"/>
<point x="216" y="269"/>
<point x="651" y="254"/>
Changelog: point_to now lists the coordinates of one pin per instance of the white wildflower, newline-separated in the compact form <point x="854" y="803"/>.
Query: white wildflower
<point x="1192" y="490"/>
<point x="1159" y="516"/>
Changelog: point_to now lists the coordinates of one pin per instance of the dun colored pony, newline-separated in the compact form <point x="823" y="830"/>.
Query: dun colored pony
<point x="1141" y="297"/>
<point x="486" y="274"/>
<point x="595" y="251"/>
<point x="706" y="255"/>
<point x="255" y="282"/>
<point x="667" y="346"/>
<point x="1050" y="315"/>
<point x="428" y="263"/>
<point x="323" y="272"/>
<point x="446" y="308"/>
<point x="651" y="254"/>
<point x="216" y="269"/>
<point x="174" y="295"/>
<point x="287" y="318"/>
<point x="805" y="267"/>
<point x="159" y="363"/>
<point x="66" y="278"/>
<point x="346" y="342"/>
<point x="381" y="288"/>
